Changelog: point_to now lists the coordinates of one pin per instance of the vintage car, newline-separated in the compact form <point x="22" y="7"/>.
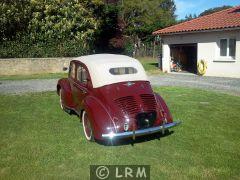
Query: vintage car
<point x="113" y="98"/>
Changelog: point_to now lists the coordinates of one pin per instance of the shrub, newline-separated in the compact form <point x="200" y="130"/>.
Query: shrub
<point x="24" y="48"/>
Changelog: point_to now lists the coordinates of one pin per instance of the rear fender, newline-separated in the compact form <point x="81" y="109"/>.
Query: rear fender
<point x="67" y="98"/>
<point x="162" y="104"/>
<point x="99" y="116"/>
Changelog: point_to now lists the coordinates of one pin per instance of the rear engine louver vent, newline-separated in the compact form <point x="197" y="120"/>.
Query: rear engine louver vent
<point x="149" y="102"/>
<point x="128" y="104"/>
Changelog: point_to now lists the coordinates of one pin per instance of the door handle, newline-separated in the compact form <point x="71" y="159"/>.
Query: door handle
<point x="79" y="87"/>
<point x="83" y="91"/>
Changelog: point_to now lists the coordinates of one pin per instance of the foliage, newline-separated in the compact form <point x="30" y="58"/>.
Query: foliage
<point x="213" y="10"/>
<point x="206" y="12"/>
<point x="62" y="19"/>
<point x="25" y="47"/>
<point x="51" y="28"/>
<point x="190" y="16"/>
<point x="143" y="17"/>
<point x="14" y="17"/>
<point x="40" y="28"/>
<point x="128" y="48"/>
<point x="108" y="29"/>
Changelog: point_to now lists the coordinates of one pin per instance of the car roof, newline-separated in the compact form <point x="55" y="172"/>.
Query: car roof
<point x="95" y="59"/>
<point x="99" y="65"/>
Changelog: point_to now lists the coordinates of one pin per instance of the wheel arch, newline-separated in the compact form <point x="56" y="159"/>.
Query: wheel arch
<point x="67" y="92"/>
<point x="161" y="102"/>
<point x="99" y="116"/>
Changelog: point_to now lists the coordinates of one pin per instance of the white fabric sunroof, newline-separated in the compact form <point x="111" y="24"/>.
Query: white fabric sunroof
<point x="100" y="64"/>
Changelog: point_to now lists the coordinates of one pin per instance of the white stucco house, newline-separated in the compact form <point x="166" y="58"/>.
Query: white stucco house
<point x="214" y="38"/>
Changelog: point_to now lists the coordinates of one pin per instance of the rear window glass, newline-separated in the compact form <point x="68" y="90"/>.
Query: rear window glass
<point x="123" y="70"/>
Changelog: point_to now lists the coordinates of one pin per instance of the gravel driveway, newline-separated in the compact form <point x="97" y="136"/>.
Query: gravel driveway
<point x="226" y="85"/>
<point x="219" y="84"/>
<point x="24" y="86"/>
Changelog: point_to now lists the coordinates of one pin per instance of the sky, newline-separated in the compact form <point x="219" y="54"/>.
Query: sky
<point x="185" y="7"/>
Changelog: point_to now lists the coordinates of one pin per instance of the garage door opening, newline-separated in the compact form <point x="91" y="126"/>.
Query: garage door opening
<point x="184" y="57"/>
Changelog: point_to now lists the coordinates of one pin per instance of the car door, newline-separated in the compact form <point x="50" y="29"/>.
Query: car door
<point x="72" y="81"/>
<point x="80" y="85"/>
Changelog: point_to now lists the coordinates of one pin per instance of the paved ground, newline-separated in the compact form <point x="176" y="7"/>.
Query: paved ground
<point x="226" y="85"/>
<point x="23" y="86"/>
<point x="220" y="84"/>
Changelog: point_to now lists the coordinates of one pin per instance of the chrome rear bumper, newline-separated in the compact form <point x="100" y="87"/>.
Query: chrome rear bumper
<point x="140" y="132"/>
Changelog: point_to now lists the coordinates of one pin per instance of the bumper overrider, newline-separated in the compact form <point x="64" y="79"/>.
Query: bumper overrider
<point x="140" y="132"/>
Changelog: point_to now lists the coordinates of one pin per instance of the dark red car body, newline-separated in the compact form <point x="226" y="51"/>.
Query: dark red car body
<point x="112" y="107"/>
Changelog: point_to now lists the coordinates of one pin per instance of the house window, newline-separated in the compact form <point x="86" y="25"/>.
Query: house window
<point x="223" y="47"/>
<point x="227" y="47"/>
<point x="232" y="47"/>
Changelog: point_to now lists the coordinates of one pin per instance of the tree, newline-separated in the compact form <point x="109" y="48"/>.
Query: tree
<point x="14" y="17"/>
<point x="69" y="23"/>
<point x="190" y="17"/>
<point x="213" y="10"/>
<point x="143" y="17"/>
<point x="206" y="12"/>
<point x="108" y="29"/>
<point x="62" y="19"/>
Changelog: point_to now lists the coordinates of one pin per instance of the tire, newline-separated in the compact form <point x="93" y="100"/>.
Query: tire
<point x="60" y="99"/>
<point x="61" y="103"/>
<point x="87" y="127"/>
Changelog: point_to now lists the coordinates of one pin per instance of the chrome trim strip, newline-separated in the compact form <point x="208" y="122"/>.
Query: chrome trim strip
<point x="140" y="132"/>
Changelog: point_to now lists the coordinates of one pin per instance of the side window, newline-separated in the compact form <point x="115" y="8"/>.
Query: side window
<point x="82" y="74"/>
<point x="72" y="70"/>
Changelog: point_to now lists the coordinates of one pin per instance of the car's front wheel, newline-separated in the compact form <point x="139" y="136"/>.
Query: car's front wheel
<point x="88" y="131"/>
<point x="61" y="102"/>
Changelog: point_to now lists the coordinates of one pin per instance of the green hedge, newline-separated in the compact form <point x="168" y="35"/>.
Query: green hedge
<point x="24" y="49"/>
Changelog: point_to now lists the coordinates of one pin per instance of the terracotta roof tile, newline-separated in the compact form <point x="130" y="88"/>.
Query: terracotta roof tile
<point x="228" y="18"/>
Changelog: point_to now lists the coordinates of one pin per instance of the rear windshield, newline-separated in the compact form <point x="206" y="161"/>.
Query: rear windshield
<point x="123" y="70"/>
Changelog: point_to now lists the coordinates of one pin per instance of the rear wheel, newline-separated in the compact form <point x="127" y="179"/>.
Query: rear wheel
<point x="88" y="131"/>
<point x="60" y="99"/>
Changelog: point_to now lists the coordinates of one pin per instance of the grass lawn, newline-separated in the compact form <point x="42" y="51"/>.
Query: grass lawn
<point x="34" y="76"/>
<point x="38" y="140"/>
<point x="149" y="64"/>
